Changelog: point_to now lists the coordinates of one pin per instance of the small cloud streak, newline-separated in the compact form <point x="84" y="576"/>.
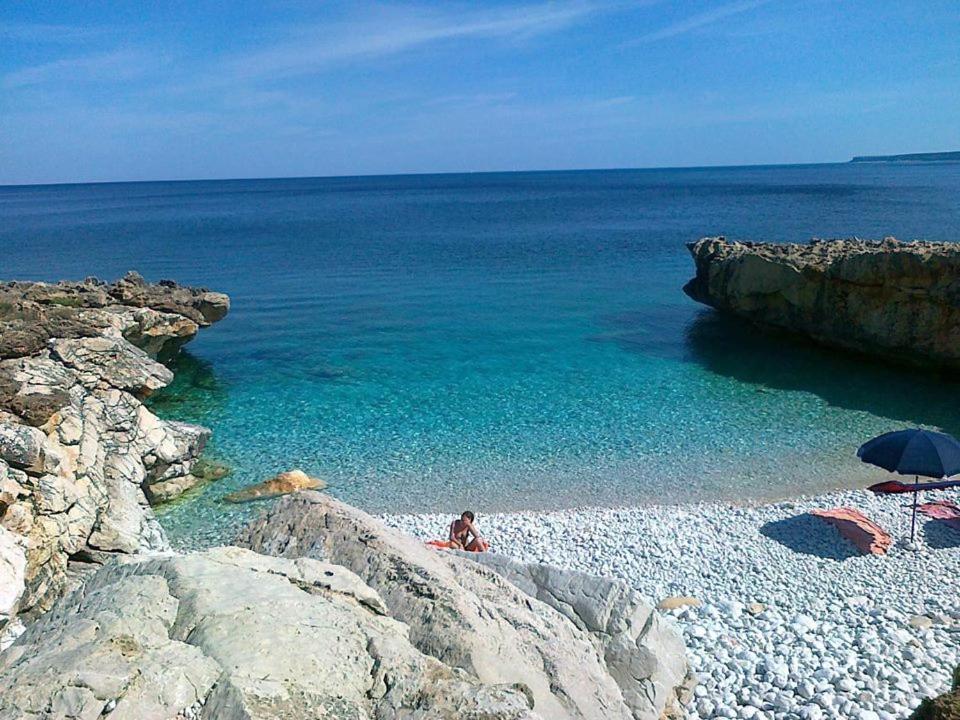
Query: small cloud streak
<point x="48" y="33"/>
<point x="695" y="22"/>
<point x="111" y="66"/>
<point x="393" y="32"/>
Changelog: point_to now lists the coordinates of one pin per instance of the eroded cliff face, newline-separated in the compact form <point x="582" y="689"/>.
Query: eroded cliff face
<point x="79" y="452"/>
<point x="895" y="300"/>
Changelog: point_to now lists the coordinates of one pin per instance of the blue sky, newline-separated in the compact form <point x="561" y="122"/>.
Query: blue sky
<point x="134" y="91"/>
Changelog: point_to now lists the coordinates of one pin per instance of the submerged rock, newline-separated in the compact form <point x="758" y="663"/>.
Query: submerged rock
<point x="78" y="449"/>
<point x="231" y="635"/>
<point x="593" y="660"/>
<point x="894" y="300"/>
<point x="283" y="484"/>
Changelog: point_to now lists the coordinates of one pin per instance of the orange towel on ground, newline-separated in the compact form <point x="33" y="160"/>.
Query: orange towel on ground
<point x="475" y="546"/>
<point x="863" y="532"/>
<point x="440" y="544"/>
<point x="942" y="510"/>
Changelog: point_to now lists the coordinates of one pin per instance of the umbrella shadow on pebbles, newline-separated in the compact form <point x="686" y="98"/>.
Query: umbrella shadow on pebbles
<point x="809" y="535"/>
<point x="941" y="534"/>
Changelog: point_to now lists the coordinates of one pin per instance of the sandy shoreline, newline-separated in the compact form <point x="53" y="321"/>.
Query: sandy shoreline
<point x="840" y="636"/>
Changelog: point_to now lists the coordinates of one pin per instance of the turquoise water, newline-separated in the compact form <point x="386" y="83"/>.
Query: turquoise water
<point x="498" y="341"/>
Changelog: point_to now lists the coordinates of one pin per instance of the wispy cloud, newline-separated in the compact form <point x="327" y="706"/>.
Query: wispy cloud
<point x="391" y="31"/>
<point x="703" y="19"/>
<point x="48" y="33"/>
<point x="118" y="64"/>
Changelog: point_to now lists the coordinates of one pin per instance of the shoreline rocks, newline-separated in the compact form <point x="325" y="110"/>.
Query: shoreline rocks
<point x="80" y="454"/>
<point x="227" y="634"/>
<point x="622" y="663"/>
<point x="374" y="625"/>
<point x="895" y="300"/>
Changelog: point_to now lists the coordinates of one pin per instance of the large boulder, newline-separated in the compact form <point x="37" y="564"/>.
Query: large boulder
<point x="895" y="300"/>
<point x="231" y="635"/>
<point x="470" y="617"/>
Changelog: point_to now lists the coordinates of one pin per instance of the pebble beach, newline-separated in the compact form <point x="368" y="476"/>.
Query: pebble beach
<point x="782" y="617"/>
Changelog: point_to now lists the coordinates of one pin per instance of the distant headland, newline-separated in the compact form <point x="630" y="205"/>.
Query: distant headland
<point x="910" y="157"/>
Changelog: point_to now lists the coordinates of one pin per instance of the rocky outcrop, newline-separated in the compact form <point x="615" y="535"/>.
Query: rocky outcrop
<point x="895" y="300"/>
<point x="80" y="454"/>
<point x="574" y="653"/>
<point x="231" y="635"/>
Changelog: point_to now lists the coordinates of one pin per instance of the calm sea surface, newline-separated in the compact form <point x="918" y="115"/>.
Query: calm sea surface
<point x="498" y="341"/>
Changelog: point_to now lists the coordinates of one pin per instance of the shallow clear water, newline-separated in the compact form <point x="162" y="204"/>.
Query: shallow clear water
<point x="498" y="340"/>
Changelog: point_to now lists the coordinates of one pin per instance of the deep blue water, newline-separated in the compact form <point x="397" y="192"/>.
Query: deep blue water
<point x="498" y="340"/>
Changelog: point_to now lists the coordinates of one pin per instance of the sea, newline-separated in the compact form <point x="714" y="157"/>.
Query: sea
<point x="498" y="341"/>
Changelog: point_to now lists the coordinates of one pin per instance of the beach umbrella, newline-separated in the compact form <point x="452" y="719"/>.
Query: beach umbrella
<point x="921" y="453"/>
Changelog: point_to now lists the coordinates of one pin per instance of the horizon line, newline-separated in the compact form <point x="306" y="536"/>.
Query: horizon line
<point x="414" y="174"/>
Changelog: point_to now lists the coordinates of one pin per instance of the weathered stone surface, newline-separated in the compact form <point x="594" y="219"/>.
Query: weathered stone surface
<point x="13" y="563"/>
<point x="231" y="635"/>
<point x="283" y="484"/>
<point x="22" y="446"/>
<point x="646" y="658"/>
<point x="462" y="613"/>
<point x="112" y="361"/>
<point x="77" y="446"/>
<point x="895" y="300"/>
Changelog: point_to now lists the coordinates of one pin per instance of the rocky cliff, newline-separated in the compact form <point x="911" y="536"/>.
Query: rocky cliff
<point x="80" y="455"/>
<point x="895" y="300"/>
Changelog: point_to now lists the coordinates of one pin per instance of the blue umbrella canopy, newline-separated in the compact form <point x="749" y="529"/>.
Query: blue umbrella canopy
<point x="914" y="452"/>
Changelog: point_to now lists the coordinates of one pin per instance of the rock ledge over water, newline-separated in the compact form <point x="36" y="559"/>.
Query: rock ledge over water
<point x="80" y="454"/>
<point x="895" y="300"/>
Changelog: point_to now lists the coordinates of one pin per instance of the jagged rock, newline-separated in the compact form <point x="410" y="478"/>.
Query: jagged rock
<point x="198" y="304"/>
<point x="231" y="635"/>
<point x="895" y="300"/>
<point x="111" y="361"/>
<point x="645" y="658"/>
<point x="77" y="445"/>
<point x="10" y="489"/>
<point x="283" y="484"/>
<point x="459" y="612"/>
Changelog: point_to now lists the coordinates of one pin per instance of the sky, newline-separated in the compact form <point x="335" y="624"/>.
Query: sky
<point x="276" y="88"/>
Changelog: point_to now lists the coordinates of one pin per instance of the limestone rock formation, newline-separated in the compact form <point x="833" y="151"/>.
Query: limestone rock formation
<point x="283" y="484"/>
<point x="896" y="300"/>
<point x="78" y="449"/>
<point x="231" y="635"/>
<point x="646" y="659"/>
<point x="468" y="616"/>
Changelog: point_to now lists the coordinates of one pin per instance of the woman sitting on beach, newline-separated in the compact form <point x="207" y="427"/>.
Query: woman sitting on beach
<point x="465" y="536"/>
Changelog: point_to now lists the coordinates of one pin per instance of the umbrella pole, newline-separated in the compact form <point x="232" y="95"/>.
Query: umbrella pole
<point x="913" y="520"/>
